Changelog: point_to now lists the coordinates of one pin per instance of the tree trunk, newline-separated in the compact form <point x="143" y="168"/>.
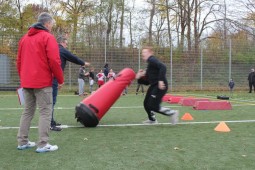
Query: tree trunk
<point x="122" y="22"/>
<point x="152" y="13"/>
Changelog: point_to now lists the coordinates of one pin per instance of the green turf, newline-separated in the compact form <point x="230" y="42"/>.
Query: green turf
<point x="182" y="147"/>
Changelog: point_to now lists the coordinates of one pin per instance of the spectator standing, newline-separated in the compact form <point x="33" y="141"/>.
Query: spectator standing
<point x="81" y="80"/>
<point x="106" y="70"/>
<point x="138" y="87"/>
<point x="100" y="78"/>
<point x="231" y="86"/>
<point x="111" y="75"/>
<point x="251" y="80"/>
<point x="38" y="61"/>
<point x="65" y="56"/>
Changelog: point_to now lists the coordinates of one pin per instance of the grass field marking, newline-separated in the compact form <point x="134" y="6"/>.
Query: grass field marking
<point x="128" y="107"/>
<point x="73" y="108"/>
<point x="141" y="124"/>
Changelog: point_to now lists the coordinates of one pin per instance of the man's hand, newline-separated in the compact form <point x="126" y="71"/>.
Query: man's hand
<point x="161" y="85"/>
<point x="60" y="85"/>
<point x="140" y="74"/>
<point x="87" y="64"/>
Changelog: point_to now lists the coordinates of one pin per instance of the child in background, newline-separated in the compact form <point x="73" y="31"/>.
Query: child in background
<point x="111" y="75"/>
<point x="100" y="78"/>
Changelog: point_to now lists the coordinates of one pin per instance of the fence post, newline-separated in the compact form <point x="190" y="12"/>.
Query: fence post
<point x="230" y="58"/>
<point x="171" y="66"/>
<point x="201" y="67"/>
<point x="70" y="77"/>
<point x="139" y="53"/>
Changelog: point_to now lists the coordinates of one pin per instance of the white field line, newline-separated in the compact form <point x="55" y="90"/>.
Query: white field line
<point x="126" y="125"/>
<point x="126" y="107"/>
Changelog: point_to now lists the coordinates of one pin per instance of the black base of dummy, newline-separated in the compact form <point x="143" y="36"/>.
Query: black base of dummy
<point x="85" y="116"/>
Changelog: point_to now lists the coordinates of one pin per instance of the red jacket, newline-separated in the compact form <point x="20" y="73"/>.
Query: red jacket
<point x="38" y="59"/>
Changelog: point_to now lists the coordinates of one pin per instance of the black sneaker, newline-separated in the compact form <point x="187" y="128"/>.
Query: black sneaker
<point x="55" y="128"/>
<point x="58" y="124"/>
<point x="54" y="123"/>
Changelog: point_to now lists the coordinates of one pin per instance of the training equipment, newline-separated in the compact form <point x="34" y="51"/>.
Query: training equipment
<point x="174" y="99"/>
<point x="190" y="101"/>
<point x="212" y="105"/>
<point x="222" y="127"/>
<point x="223" y="97"/>
<point x="187" y="116"/>
<point x="166" y="97"/>
<point x="93" y="108"/>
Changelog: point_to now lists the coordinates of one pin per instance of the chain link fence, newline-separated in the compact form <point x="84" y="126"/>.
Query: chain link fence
<point x="207" y="68"/>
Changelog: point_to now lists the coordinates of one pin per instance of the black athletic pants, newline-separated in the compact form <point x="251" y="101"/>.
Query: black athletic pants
<point x="152" y="100"/>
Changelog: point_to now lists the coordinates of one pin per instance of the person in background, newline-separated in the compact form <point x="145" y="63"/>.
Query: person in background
<point x="138" y="87"/>
<point x="38" y="61"/>
<point x="155" y="76"/>
<point x="81" y="80"/>
<point x="111" y="75"/>
<point x="251" y="80"/>
<point x="124" y="92"/>
<point x="100" y="78"/>
<point x="106" y="70"/>
<point x="65" y="56"/>
<point x="231" y="86"/>
<point x="91" y="79"/>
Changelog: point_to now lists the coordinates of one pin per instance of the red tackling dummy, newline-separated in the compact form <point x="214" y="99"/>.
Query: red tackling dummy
<point x="90" y="111"/>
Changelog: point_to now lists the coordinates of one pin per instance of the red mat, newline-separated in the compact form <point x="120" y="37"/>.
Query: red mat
<point x="166" y="97"/>
<point x="174" y="99"/>
<point x="190" y="101"/>
<point x="212" y="105"/>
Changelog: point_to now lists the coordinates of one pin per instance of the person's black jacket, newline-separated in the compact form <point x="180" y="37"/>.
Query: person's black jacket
<point x="156" y="71"/>
<point x="251" y="77"/>
<point x="66" y="55"/>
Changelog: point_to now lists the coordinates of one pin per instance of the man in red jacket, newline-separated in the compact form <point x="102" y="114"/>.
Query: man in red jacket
<point x="38" y="62"/>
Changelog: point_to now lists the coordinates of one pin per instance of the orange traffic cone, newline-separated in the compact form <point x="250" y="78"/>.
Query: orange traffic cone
<point x="222" y="127"/>
<point x="187" y="116"/>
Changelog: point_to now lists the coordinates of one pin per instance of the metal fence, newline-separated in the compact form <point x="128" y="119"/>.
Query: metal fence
<point x="205" y="69"/>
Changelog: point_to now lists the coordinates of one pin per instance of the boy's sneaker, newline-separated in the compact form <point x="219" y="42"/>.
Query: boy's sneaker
<point x="47" y="148"/>
<point x="55" y="128"/>
<point x="150" y="122"/>
<point x="174" y="117"/>
<point x="26" y="146"/>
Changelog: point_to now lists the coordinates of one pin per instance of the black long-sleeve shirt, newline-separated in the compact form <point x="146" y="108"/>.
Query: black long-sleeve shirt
<point x="156" y="71"/>
<point x="66" y="55"/>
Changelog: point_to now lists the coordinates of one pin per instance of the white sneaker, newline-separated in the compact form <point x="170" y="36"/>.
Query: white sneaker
<point x="150" y="122"/>
<point x="47" y="148"/>
<point x="26" y="146"/>
<point x="166" y="111"/>
<point x="175" y="117"/>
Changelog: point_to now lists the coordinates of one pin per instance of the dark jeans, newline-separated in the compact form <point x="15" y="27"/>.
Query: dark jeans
<point x="138" y="87"/>
<point x="54" y="98"/>
<point x="152" y="100"/>
<point x="251" y="84"/>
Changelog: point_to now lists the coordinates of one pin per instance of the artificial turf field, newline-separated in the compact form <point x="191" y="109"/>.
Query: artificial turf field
<point x="120" y="141"/>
